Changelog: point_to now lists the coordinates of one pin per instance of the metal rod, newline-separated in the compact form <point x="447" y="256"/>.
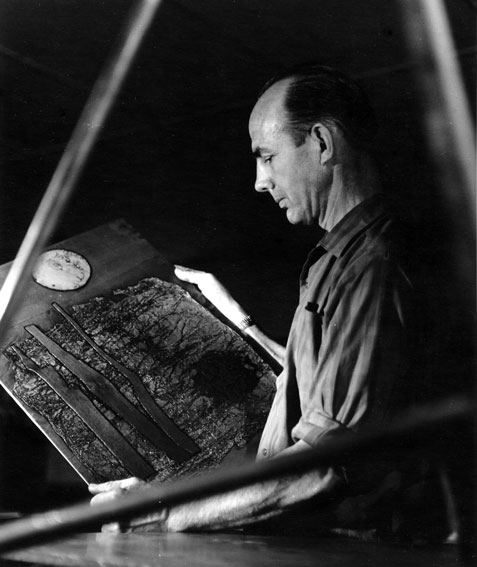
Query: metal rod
<point x="449" y="124"/>
<point x="72" y="162"/>
<point x="450" y="138"/>
<point x="48" y="526"/>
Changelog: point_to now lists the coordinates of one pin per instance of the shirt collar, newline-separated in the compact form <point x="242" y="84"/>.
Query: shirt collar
<point x="351" y="224"/>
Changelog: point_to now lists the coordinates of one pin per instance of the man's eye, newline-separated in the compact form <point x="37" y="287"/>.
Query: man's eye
<point x="268" y="159"/>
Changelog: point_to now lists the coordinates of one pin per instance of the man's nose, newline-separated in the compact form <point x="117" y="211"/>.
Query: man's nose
<point x="263" y="182"/>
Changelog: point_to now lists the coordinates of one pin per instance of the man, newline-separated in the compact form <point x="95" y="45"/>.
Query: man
<point x="347" y="355"/>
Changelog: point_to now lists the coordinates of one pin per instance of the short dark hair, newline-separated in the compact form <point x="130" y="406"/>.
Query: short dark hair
<point x="323" y="94"/>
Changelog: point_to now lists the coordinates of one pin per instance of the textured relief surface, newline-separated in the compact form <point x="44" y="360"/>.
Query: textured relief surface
<point x="202" y="374"/>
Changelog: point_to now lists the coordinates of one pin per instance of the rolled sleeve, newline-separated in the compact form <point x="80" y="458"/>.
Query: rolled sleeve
<point x="315" y="427"/>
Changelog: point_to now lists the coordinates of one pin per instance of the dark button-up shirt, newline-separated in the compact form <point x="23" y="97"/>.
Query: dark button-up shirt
<point x="347" y="351"/>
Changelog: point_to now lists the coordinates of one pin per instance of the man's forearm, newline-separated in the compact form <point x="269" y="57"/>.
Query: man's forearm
<point x="276" y="350"/>
<point x="243" y="506"/>
<point x="221" y="298"/>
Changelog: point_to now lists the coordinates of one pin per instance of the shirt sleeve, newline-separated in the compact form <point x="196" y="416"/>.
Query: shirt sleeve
<point x="362" y="358"/>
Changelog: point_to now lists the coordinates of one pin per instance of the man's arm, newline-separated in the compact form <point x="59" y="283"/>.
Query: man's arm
<point x="221" y="298"/>
<point x="232" y="509"/>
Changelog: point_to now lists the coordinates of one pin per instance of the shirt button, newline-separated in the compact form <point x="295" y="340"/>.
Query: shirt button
<point x="264" y="452"/>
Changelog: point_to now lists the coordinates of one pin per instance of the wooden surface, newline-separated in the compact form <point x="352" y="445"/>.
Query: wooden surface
<point x="118" y="257"/>
<point x="230" y="550"/>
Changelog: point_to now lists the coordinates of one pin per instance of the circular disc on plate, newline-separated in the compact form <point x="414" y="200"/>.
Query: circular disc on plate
<point x="62" y="270"/>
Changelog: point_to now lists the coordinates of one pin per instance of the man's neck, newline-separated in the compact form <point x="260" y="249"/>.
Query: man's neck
<point x="350" y="187"/>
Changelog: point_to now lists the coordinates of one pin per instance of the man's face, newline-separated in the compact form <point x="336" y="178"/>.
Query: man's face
<point x="292" y="175"/>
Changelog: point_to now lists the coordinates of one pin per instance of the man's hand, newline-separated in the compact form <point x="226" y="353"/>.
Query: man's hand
<point x="219" y="296"/>
<point x="214" y="291"/>
<point x="113" y="489"/>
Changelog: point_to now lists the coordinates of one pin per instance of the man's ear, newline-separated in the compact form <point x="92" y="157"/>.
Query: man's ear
<point x="323" y="136"/>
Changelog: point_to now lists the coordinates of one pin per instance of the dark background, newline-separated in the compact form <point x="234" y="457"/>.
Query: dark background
<point x="174" y="159"/>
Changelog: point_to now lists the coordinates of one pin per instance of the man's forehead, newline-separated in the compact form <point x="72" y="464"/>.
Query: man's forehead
<point x="268" y="115"/>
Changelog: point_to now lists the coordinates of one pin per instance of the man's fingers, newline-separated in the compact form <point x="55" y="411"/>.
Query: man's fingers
<point x="115" y="485"/>
<point x="184" y="273"/>
<point x="182" y="268"/>
<point x="188" y="274"/>
<point x="107" y="491"/>
<point x="114" y="528"/>
<point x="103" y="497"/>
<point x="214" y="291"/>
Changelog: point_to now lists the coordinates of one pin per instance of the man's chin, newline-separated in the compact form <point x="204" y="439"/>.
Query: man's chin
<point x="292" y="217"/>
<point x="296" y="218"/>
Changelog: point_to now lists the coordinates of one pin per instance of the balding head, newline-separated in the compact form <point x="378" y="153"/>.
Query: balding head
<point x="313" y="93"/>
<point x="269" y="115"/>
